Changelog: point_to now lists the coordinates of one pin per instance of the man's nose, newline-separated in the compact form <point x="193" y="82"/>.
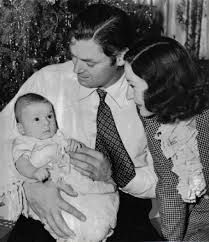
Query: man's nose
<point x="78" y="66"/>
<point x="130" y="93"/>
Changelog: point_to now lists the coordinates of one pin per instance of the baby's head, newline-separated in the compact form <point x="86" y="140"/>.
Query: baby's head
<point x="35" y="116"/>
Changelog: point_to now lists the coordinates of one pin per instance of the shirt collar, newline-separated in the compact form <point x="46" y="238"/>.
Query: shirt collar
<point x="117" y="91"/>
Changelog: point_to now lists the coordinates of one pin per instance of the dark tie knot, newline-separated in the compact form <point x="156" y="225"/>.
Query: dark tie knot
<point x="102" y="94"/>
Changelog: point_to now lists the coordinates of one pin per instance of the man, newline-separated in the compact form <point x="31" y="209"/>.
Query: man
<point x="100" y="37"/>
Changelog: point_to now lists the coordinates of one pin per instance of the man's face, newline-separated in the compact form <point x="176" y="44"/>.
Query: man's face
<point x="92" y="66"/>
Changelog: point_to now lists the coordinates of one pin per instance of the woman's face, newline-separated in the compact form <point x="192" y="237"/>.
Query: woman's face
<point x="137" y="87"/>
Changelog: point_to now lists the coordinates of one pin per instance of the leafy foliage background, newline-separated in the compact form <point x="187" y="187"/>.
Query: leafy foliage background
<point x="34" y="33"/>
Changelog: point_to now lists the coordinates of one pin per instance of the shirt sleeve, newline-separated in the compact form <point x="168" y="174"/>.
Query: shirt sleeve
<point x="51" y="82"/>
<point x="144" y="183"/>
<point x="12" y="196"/>
<point x="11" y="190"/>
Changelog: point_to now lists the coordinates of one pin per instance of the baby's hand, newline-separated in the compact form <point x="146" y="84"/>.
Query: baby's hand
<point x="41" y="174"/>
<point x="73" y="145"/>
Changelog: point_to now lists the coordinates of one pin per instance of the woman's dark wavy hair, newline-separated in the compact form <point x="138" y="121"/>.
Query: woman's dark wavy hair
<point x="176" y="91"/>
<point x="107" y="25"/>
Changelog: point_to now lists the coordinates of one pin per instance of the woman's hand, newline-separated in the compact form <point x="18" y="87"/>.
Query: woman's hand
<point x="91" y="163"/>
<point x="46" y="201"/>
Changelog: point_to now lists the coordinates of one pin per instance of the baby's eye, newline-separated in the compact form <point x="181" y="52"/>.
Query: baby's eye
<point x="50" y="116"/>
<point x="36" y="119"/>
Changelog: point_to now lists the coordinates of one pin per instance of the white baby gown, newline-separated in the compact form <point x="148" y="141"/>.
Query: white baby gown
<point x="97" y="200"/>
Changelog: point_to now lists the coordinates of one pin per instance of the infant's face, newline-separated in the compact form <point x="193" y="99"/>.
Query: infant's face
<point x="38" y="121"/>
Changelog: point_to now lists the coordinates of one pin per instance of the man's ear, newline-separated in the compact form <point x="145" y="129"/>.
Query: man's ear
<point x="120" y="58"/>
<point x="20" y="128"/>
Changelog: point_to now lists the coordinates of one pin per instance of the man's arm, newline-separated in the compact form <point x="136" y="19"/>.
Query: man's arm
<point x="53" y="83"/>
<point x="91" y="163"/>
<point x="39" y="194"/>
<point x="143" y="185"/>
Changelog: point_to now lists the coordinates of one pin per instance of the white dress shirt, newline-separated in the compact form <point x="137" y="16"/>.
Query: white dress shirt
<point x="76" y="109"/>
<point x="129" y="127"/>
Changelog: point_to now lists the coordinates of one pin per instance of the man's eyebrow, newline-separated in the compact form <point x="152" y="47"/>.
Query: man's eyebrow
<point x="89" y="60"/>
<point x="86" y="59"/>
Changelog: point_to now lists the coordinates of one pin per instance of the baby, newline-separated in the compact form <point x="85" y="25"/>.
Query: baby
<point x="41" y="152"/>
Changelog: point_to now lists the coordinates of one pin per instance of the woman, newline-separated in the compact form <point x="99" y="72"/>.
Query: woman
<point x="172" y="100"/>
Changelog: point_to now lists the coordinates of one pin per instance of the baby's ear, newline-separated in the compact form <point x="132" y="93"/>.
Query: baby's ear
<point x="20" y="128"/>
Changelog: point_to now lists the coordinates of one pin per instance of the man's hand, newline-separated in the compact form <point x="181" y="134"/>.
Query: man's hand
<point x="47" y="203"/>
<point x="91" y="163"/>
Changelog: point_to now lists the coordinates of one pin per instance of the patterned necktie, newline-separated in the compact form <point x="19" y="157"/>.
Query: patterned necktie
<point x="108" y="142"/>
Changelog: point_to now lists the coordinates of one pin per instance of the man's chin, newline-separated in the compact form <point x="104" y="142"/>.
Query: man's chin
<point x="85" y="83"/>
<point x="82" y="81"/>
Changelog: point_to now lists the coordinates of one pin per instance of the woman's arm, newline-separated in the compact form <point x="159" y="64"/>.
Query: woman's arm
<point x="173" y="211"/>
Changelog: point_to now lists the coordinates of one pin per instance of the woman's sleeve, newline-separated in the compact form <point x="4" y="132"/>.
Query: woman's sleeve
<point x="173" y="210"/>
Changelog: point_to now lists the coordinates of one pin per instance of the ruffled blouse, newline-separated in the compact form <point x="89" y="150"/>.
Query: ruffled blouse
<point x="179" y="143"/>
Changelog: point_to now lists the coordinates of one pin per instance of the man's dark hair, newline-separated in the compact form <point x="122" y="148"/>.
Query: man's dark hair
<point x="108" y="26"/>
